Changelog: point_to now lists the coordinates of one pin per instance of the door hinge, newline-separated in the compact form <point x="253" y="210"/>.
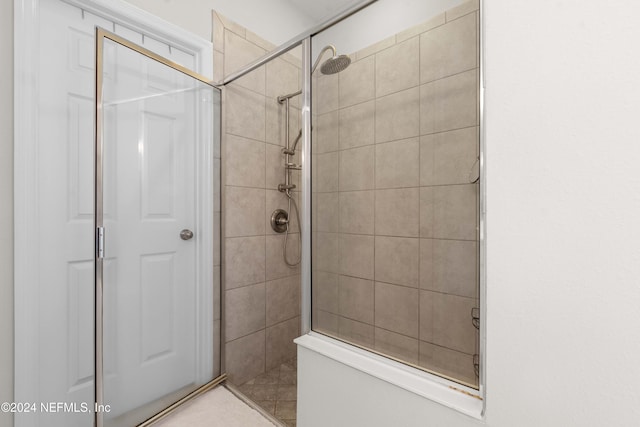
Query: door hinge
<point x="100" y="242"/>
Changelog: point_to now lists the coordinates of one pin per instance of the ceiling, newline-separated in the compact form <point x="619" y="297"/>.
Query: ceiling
<point x="319" y="10"/>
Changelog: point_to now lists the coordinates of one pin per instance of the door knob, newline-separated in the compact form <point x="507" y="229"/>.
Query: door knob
<point x="186" y="234"/>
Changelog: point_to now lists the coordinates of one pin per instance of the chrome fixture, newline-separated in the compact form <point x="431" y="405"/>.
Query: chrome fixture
<point x="286" y="189"/>
<point x="333" y="65"/>
<point x="280" y="220"/>
<point x="186" y="234"/>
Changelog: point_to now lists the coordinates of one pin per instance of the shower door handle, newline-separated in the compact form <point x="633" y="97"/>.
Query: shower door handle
<point x="186" y="234"/>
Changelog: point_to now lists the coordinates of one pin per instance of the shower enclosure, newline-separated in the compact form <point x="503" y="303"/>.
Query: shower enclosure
<point x="380" y="150"/>
<point x="389" y="194"/>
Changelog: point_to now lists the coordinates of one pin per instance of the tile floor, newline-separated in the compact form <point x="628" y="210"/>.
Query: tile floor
<point x="215" y="408"/>
<point x="275" y="391"/>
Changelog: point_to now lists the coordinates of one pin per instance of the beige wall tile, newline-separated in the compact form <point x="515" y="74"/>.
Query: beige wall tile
<point x="282" y="79"/>
<point x="398" y="67"/>
<point x="453" y="156"/>
<point x="279" y="342"/>
<point x="218" y="32"/>
<point x="278" y="200"/>
<point x="398" y="115"/>
<point x="450" y="363"/>
<point x="463" y="9"/>
<point x="217" y="258"/>
<point x="455" y="267"/>
<point x="283" y="299"/>
<point x="245" y="211"/>
<point x="356" y="299"/>
<point x="245" y="111"/>
<point x="397" y="212"/>
<point x="356" y="255"/>
<point x="245" y="357"/>
<point x="449" y="103"/>
<point x="399" y="346"/>
<point x="238" y="53"/>
<point x="397" y="260"/>
<point x="426" y="212"/>
<point x="217" y="289"/>
<point x="275" y="122"/>
<point x="357" y="82"/>
<point x="245" y="162"/>
<point x="245" y="261"/>
<point x="325" y="322"/>
<point x="421" y="28"/>
<point x="276" y="267"/>
<point x="229" y="25"/>
<point x="357" y="125"/>
<point x="355" y="332"/>
<point x="274" y="166"/>
<point x="326" y="94"/>
<point x="449" y="49"/>
<point x="327" y="253"/>
<point x="325" y="290"/>
<point x="217" y="174"/>
<point x="327" y="133"/>
<point x="455" y="211"/>
<point x="328" y="166"/>
<point x="259" y="41"/>
<point x="374" y="48"/>
<point x="244" y="311"/>
<point x="357" y="169"/>
<point x="398" y="164"/>
<point x="218" y="66"/>
<point x="452" y="326"/>
<point x="397" y="309"/>
<point x="426" y="315"/>
<point x="356" y="212"/>
<point x="327" y="214"/>
<point x="426" y="264"/>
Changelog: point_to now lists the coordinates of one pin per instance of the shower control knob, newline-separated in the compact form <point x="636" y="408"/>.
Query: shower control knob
<point x="186" y="234"/>
<point x="279" y="220"/>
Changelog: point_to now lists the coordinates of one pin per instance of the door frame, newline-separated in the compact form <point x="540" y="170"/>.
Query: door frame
<point x="26" y="140"/>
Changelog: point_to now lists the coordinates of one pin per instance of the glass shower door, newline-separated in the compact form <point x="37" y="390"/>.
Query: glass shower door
<point x="155" y="233"/>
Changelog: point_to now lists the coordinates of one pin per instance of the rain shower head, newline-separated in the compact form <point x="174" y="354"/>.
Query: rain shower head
<point x="333" y="65"/>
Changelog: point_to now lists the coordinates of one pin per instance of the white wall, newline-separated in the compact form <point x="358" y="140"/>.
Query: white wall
<point x="6" y="207"/>
<point x="563" y="202"/>
<point x="273" y="20"/>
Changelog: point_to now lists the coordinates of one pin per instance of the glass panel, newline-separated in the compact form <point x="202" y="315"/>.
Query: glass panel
<point x="160" y="179"/>
<point x="263" y="274"/>
<point x="395" y="184"/>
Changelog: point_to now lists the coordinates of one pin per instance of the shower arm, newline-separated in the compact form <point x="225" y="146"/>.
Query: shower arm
<point x="331" y="47"/>
<point x="324" y="49"/>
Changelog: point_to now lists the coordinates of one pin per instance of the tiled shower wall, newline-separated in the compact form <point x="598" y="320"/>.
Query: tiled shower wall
<point x="262" y="310"/>
<point x="394" y="204"/>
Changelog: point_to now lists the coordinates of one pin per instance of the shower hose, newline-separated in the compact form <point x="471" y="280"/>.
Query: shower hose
<point x="286" y="234"/>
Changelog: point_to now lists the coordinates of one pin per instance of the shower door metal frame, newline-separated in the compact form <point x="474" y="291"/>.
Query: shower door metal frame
<point x="100" y="36"/>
